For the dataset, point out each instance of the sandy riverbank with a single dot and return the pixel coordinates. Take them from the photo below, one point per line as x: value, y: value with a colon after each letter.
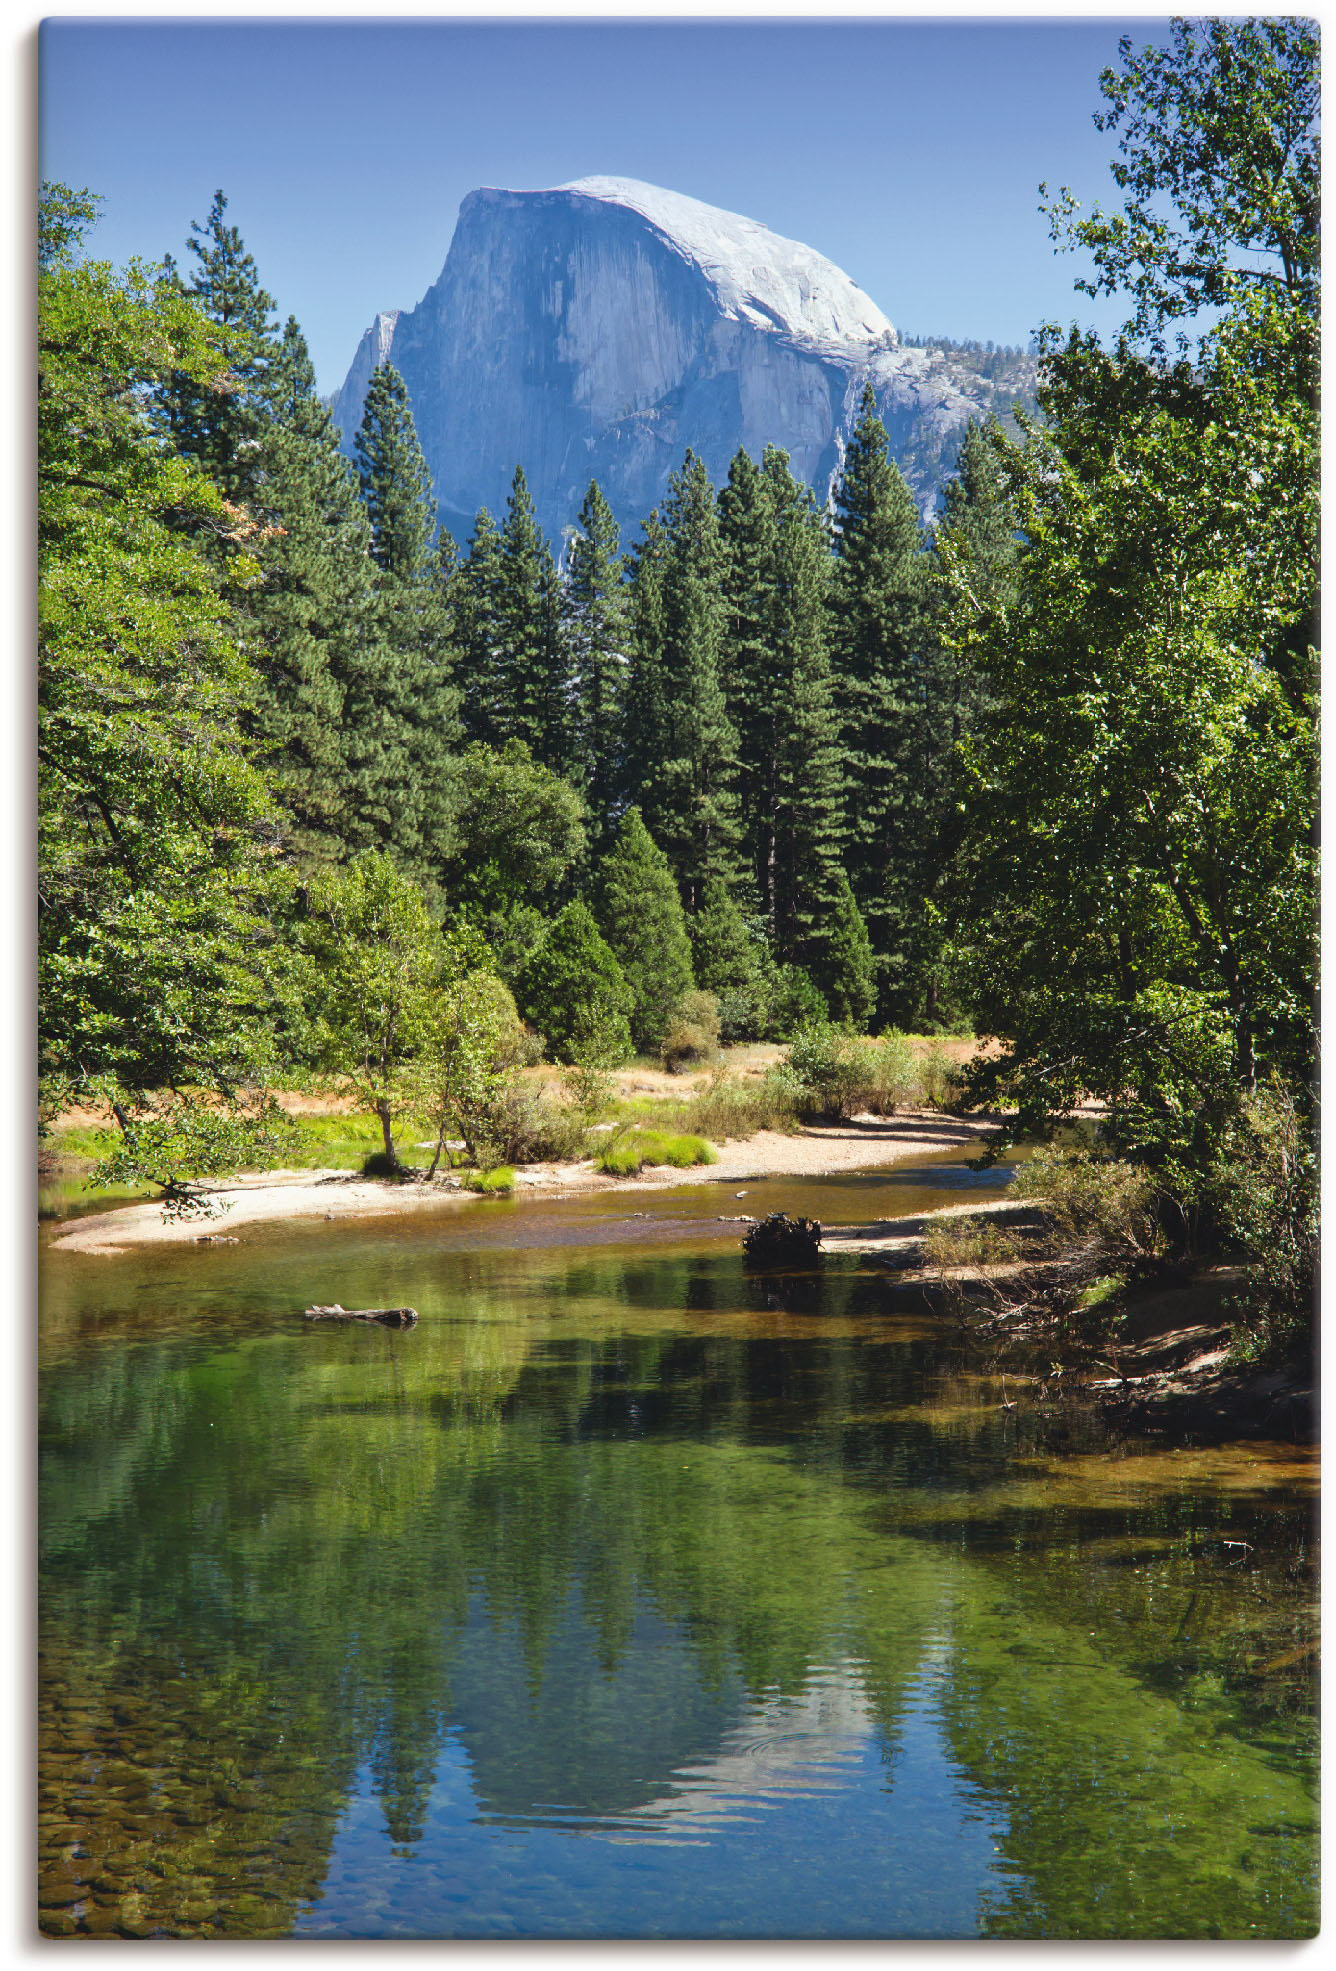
x: 861, y: 1143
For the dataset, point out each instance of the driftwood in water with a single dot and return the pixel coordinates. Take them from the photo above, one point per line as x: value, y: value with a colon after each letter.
x: 388, y: 1317
x: 779, y: 1240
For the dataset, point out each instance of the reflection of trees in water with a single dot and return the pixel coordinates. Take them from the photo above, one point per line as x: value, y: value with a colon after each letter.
x: 581, y: 1554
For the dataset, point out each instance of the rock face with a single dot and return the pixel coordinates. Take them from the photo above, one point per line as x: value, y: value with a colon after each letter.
x: 598, y: 330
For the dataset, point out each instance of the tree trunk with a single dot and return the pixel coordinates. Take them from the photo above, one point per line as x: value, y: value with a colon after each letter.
x: 383, y: 1111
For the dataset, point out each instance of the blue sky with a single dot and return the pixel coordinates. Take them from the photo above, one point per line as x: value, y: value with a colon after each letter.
x: 909, y: 152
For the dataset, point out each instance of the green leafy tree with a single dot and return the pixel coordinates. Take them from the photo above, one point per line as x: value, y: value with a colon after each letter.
x: 574, y: 991
x: 377, y: 968
x: 1219, y: 164
x: 519, y: 830
x: 153, y: 882
x: 1139, y: 855
x: 640, y: 915
x: 467, y: 1063
x: 596, y: 628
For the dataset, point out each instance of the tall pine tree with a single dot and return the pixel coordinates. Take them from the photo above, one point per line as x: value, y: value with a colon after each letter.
x: 596, y: 626
x: 880, y: 638
x: 404, y: 708
x: 687, y: 756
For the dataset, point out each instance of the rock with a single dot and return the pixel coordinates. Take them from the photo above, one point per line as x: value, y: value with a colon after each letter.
x: 598, y: 329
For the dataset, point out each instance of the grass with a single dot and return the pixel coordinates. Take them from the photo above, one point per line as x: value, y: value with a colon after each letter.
x: 626, y: 1154
x: 497, y: 1183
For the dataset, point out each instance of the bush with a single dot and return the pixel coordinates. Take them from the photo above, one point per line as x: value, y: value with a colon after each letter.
x: 527, y: 1125
x: 379, y: 1164
x: 891, y: 1078
x: 692, y: 1033
x: 1094, y: 1201
x: 957, y: 1242
x: 824, y: 1065
x: 728, y: 1108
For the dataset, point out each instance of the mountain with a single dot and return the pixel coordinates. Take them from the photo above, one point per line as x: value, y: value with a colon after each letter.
x: 596, y: 330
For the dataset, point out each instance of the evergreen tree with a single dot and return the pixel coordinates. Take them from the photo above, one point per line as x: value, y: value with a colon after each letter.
x: 217, y: 421
x: 880, y: 633
x: 847, y: 974
x: 313, y: 614
x: 731, y: 961
x: 645, y: 729
x: 480, y: 632
x: 574, y: 991
x: 780, y: 695
x: 640, y: 915
x: 402, y: 708
x: 530, y: 692
x: 395, y: 482
x: 597, y: 632
x: 688, y: 790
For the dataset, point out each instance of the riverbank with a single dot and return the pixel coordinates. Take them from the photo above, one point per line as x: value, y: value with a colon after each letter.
x: 815, y: 1150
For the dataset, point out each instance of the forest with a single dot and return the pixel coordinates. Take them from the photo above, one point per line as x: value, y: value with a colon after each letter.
x: 326, y: 792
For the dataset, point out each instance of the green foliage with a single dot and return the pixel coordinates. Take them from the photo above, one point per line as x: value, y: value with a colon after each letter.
x: 1265, y: 1185
x: 795, y: 1002
x: 376, y: 967
x: 640, y: 915
x: 1219, y: 161
x: 153, y: 881
x: 733, y: 962
x: 529, y: 1125
x: 575, y: 992
x: 1095, y: 1201
x: 730, y: 1107
x: 824, y: 1064
x: 518, y: 829
x: 175, y: 1140
x: 779, y: 695
x: 1138, y: 861
x: 682, y: 767
x: 626, y: 1154
x: 498, y: 1182
x: 393, y: 475
x: 847, y: 969
x: 968, y: 1242
x: 692, y: 1033
x: 596, y: 628
x: 460, y: 1079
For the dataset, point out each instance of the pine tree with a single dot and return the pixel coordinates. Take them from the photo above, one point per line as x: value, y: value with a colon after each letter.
x: 640, y: 915
x: 596, y: 625
x: 645, y: 712
x: 534, y: 691
x: 314, y: 611
x: 847, y: 971
x: 688, y: 786
x: 781, y: 697
x: 218, y: 423
x: 481, y: 673
x: 574, y: 991
x: 402, y: 704
x: 731, y: 961
x: 880, y: 635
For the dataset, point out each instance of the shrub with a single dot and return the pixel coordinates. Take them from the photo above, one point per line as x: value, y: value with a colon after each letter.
x: 378, y: 1164
x: 824, y: 1065
x: 527, y: 1125
x: 728, y: 1108
x: 961, y: 1242
x: 794, y: 1003
x: 890, y: 1076
x: 692, y: 1033
x: 1094, y: 1201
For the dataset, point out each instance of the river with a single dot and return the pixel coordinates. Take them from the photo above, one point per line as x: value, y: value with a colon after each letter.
x: 629, y: 1595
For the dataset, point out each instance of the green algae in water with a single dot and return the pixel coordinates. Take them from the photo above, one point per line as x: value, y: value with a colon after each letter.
x: 613, y: 1601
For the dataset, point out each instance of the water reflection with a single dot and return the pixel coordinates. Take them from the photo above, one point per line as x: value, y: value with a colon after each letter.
x: 770, y: 1619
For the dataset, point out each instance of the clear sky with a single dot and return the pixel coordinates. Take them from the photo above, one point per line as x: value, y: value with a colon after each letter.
x: 907, y: 151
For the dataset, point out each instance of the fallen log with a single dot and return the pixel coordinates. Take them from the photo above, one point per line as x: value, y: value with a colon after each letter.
x: 388, y: 1317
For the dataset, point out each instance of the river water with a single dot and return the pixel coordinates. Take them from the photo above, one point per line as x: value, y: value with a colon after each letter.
x: 628, y: 1595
